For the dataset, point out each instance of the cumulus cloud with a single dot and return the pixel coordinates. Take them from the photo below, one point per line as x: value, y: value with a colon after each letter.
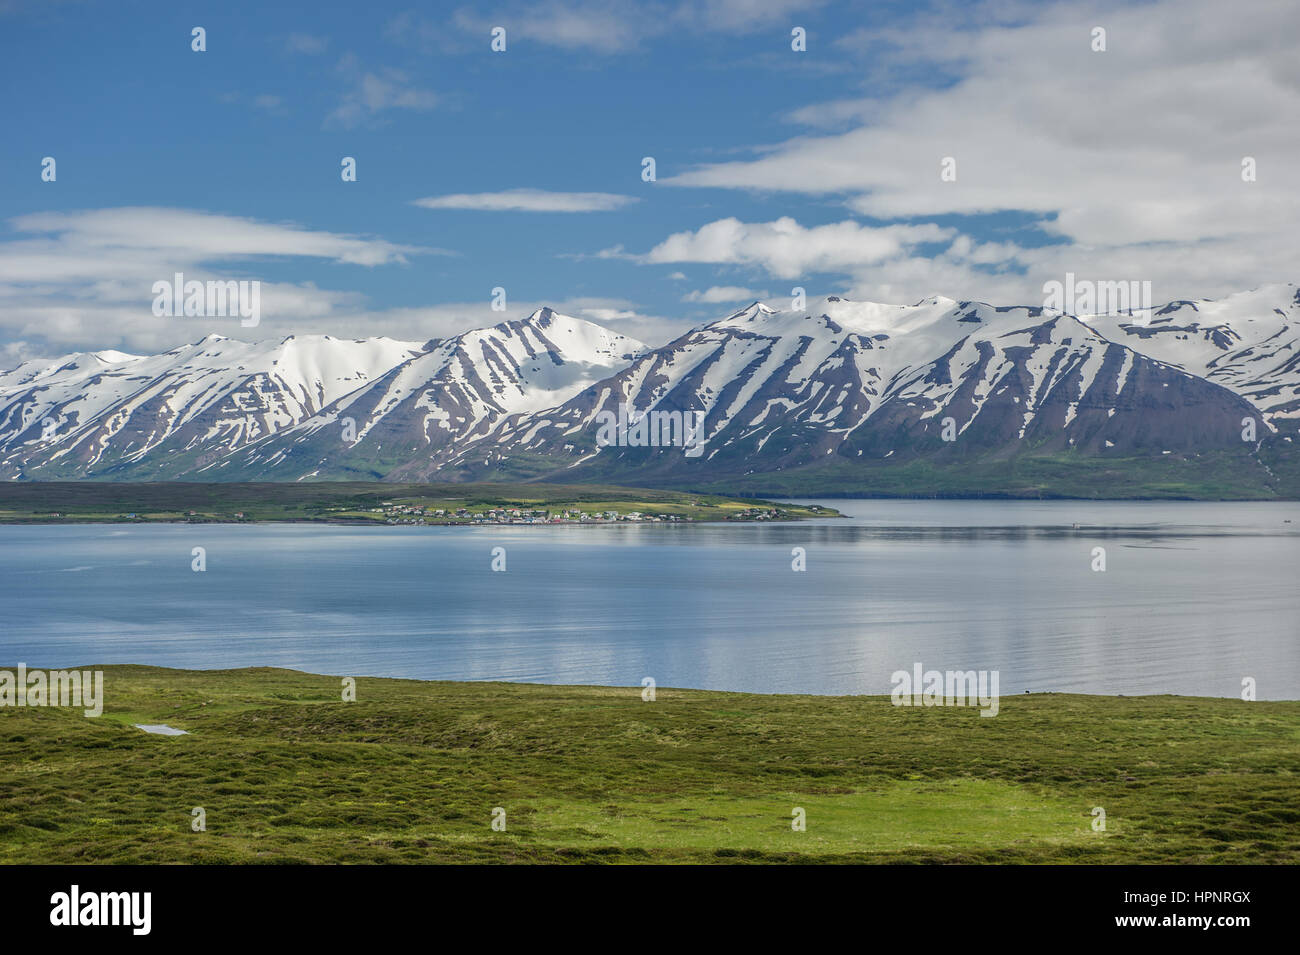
x: 608, y: 314
x: 529, y: 200
x: 723, y: 293
x: 1129, y: 160
x: 785, y: 249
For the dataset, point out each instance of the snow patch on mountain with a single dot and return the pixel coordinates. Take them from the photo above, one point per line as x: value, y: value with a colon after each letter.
x: 1248, y: 342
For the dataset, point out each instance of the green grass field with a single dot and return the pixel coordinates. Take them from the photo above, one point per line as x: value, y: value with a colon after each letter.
x: 412, y: 771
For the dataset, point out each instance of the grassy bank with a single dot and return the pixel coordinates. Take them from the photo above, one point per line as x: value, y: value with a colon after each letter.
x: 1270, y: 473
x: 412, y: 771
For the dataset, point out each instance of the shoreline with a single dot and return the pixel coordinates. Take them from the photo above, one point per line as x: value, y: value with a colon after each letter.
x: 635, y: 689
x: 345, y: 523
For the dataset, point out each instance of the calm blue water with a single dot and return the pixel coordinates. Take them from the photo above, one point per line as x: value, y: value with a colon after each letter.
x: 1194, y: 597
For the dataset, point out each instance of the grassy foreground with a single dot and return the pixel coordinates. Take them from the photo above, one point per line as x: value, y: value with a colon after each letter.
x: 412, y: 771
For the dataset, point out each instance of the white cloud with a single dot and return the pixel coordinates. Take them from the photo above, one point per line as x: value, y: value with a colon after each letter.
x: 718, y: 294
x: 370, y: 94
x: 834, y: 113
x: 13, y: 354
x: 1131, y: 156
x: 529, y: 200
x: 608, y: 314
x: 785, y: 249
x: 84, y: 279
x: 115, y: 242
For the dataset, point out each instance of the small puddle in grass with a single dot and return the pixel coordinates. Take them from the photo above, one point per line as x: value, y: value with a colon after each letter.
x: 161, y: 728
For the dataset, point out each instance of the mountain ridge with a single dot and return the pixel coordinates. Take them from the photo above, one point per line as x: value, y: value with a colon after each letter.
x: 833, y: 386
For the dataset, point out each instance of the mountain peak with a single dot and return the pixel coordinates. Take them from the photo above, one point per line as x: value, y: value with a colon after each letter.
x: 753, y: 311
x: 542, y: 316
x: 853, y: 379
x: 936, y: 300
x: 111, y: 356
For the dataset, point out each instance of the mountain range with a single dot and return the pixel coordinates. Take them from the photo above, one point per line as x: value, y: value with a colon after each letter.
x: 940, y: 397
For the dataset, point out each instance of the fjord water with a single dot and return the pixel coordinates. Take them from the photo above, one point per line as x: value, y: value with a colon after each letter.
x: 1195, y: 597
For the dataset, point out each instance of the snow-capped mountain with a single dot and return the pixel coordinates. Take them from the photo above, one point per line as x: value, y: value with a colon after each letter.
x: 1248, y: 343
x: 456, y: 391
x: 112, y: 414
x: 837, y: 386
x: 46, y: 370
x: 870, y: 382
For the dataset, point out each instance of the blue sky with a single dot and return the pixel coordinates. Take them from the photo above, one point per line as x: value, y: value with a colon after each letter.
x: 775, y: 168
